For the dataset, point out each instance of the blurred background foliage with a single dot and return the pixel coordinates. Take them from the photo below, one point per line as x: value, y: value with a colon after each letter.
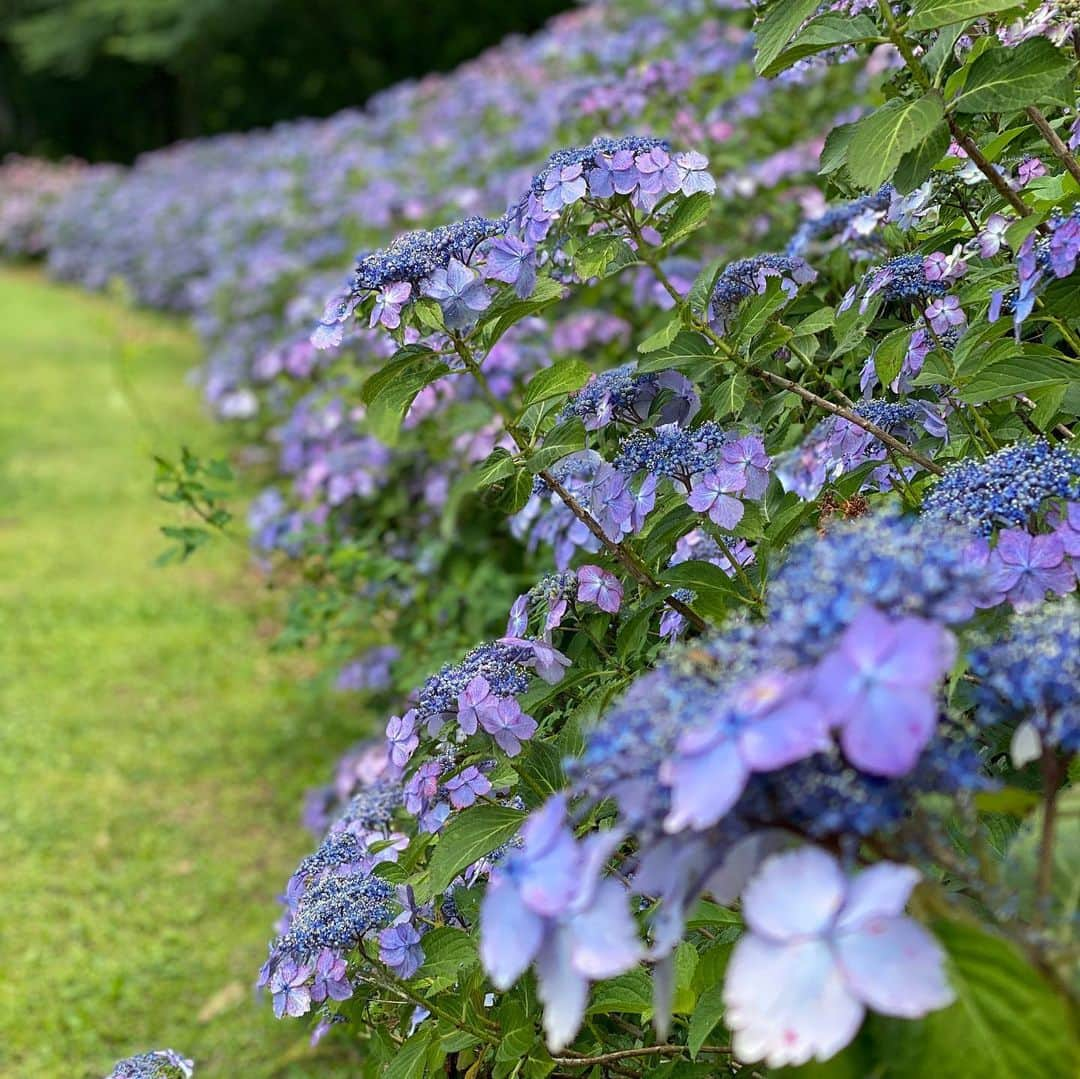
x: 107, y: 79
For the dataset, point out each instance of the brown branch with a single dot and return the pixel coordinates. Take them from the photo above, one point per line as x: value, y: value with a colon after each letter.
x: 964, y: 140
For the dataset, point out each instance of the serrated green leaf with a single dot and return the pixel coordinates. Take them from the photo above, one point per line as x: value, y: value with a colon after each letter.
x: 930, y: 14
x: 449, y: 953
x: 409, y: 1062
x: 827, y: 31
x: 1003, y: 378
x: 1006, y: 1022
x: 730, y: 397
x: 1003, y: 80
x: 470, y: 835
x: 834, y: 152
x: 390, y: 391
x: 778, y: 27
x: 508, y: 308
x: 708, y: 1012
x: 889, y: 355
x: 564, y: 438
x: 662, y: 337
x: 882, y: 138
x: 716, y: 592
x: 917, y: 164
x: 690, y: 214
x: 630, y: 992
x: 561, y: 378
x: 815, y: 322
x: 601, y: 256
x: 687, y: 350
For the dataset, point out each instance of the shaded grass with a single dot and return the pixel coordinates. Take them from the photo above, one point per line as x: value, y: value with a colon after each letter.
x: 152, y: 753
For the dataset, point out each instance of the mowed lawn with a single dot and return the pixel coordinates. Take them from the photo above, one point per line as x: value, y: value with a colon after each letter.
x: 152, y: 751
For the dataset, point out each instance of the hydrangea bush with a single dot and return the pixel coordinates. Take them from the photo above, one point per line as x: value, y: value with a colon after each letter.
x: 688, y: 465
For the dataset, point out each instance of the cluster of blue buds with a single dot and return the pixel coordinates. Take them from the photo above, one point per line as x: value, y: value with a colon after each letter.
x: 157, y: 1064
x: 671, y: 451
x: 748, y: 277
x: 1007, y: 489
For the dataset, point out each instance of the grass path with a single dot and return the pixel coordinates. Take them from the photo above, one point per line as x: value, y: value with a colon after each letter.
x: 152, y: 754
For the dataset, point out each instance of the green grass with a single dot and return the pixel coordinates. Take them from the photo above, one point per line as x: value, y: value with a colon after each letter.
x: 152, y: 752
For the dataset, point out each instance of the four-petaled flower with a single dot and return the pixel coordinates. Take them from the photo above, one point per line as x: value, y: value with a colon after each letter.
x: 596, y: 585
x: 879, y: 686
x: 1023, y: 568
x: 713, y: 492
x: 460, y: 292
x: 821, y: 949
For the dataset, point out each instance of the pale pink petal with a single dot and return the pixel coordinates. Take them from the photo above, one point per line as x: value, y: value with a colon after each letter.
x: 794, y: 894
x: 895, y: 966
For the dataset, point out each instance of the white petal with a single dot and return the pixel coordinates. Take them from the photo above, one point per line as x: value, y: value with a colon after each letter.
x: 787, y: 1003
x: 794, y: 894
x: 1026, y: 746
x: 883, y: 889
x: 894, y: 966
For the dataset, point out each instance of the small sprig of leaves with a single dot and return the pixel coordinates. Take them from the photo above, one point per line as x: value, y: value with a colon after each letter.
x: 193, y: 483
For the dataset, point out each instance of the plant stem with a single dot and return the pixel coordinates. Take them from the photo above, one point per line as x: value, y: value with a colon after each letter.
x: 819, y: 402
x: 629, y: 559
x: 997, y: 181
x: 1044, y: 879
x: 1054, y: 141
x: 582, y: 1061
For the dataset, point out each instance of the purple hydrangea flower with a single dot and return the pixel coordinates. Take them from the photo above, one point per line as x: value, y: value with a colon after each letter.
x: 460, y: 292
x: 389, y: 301
x: 945, y: 313
x: 468, y: 785
x: 400, y: 949
x: 693, y: 173
x: 1023, y: 567
x: 879, y: 686
x: 820, y: 950
x: 288, y: 984
x: 596, y: 585
x: 512, y: 261
x: 713, y: 492
x: 772, y: 722
x: 402, y: 738
x: 563, y: 186
x: 547, y: 905
x: 749, y: 454
x: 992, y: 238
x: 509, y: 726
x: 330, y: 979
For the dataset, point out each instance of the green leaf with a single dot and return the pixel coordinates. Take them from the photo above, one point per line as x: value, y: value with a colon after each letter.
x: 834, y: 152
x: 663, y: 336
x: 540, y: 767
x: 930, y: 14
x: 1018, y: 374
x: 564, y: 438
x: 562, y: 378
x: 756, y: 311
x: 1006, y: 1022
x: 882, y: 138
x: 689, y: 216
x: 815, y: 322
x: 496, y: 466
x: 851, y: 326
x: 825, y: 32
x: 630, y: 992
x: 470, y: 835
x: 715, y: 590
x: 602, y: 256
x: 508, y: 309
x: 687, y: 350
x: 709, y: 1012
x: 730, y: 397
x: 778, y: 27
x: 409, y: 1060
x: 1002, y: 80
x: 889, y: 355
x: 390, y: 391
x: 448, y: 954
x: 917, y: 164
x: 941, y: 52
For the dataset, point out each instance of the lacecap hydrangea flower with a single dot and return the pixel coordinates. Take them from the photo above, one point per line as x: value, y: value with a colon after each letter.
x: 157, y: 1064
